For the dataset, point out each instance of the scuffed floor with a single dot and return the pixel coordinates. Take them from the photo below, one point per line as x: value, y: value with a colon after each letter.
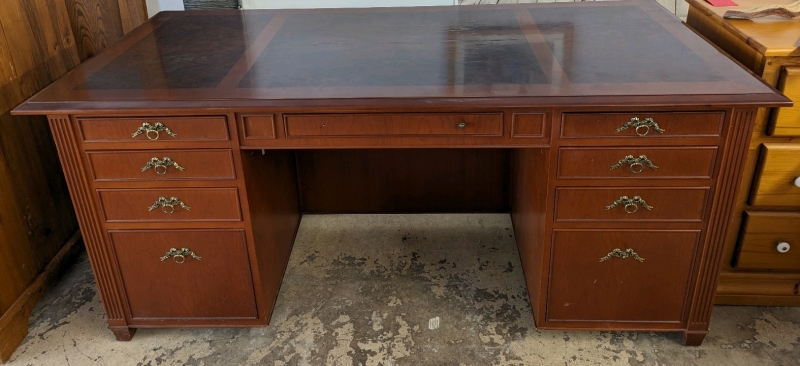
x: 369, y: 290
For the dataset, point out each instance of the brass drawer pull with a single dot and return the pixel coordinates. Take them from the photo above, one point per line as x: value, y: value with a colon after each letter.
x: 631, y: 204
x: 153, y: 132
x: 642, y: 126
x: 168, y: 205
x: 619, y: 253
x: 462, y: 125
x: 636, y: 164
x: 160, y: 165
x: 179, y: 256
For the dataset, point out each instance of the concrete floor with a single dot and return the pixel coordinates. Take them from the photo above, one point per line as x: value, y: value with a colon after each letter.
x: 362, y: 290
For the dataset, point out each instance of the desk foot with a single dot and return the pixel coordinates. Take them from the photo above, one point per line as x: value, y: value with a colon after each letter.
x: 123, y: 334
x: 694, y: 337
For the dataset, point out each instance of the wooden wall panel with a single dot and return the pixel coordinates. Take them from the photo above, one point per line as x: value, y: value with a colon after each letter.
x: 99, y: 23
x: 37, y: 46
x: 132, y: 13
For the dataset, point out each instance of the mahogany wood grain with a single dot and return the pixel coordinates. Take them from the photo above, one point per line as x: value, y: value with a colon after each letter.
x: 672, y: 163
x: 761, y: 233
x: 620, y: 289
x: 257, y: 126
x: 274, y: 213
x: 90, y: 221
x: 393, y: 124
x: 185, y: 129
x: 218, y: 285
x: 530, y: 124
x: 411, y: 180
x: 206, y: 204
x: 580, y: 66
x: 598, y: 125
x: 529, y: 214
x: 668, y: 204
x: 127, y: 165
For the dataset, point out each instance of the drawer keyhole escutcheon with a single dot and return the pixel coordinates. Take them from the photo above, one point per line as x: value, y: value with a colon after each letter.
x: 153, y: 132
x: 635, y: 164
x: 179, y: 256
x: 622, y: 254
x: 462, y: 125
x: 642, y: 127
x: 631, y: 205
x: 783, y: 247
x: 168, y: 205
x: 160, y: 165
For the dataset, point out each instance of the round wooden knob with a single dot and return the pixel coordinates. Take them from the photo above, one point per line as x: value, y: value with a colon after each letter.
x: 783, y: 247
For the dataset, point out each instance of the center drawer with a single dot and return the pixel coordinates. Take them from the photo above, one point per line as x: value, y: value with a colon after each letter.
x: 400, y: 124
x: 636, y: 162
x: 161, y: 165
x: 162, y: 204
x: 621, y: 204
x: 217, y: 284
x: 590, y: 281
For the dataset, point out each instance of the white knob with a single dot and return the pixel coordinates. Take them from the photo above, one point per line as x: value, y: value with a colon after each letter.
x: 797, y: 182
x: 783, y: 247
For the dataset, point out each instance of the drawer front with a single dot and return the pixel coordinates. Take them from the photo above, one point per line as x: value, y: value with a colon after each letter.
x: 604, y: 204
x: 636, y: 162
x: 770, y: 240
x: 777, y: 181
x: 675, y: 124
x: 786, y: 121
x: 584, y: 288
x: 217, y: 285
x: 413, y: 124
x: 162, y: 165
x: 141, y: 205
x: 212, y: 128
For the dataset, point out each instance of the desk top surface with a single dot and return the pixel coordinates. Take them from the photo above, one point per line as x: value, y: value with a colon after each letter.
x: 617, y: 53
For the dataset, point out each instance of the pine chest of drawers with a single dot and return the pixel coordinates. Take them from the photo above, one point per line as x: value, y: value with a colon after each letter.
x: 759, y: 269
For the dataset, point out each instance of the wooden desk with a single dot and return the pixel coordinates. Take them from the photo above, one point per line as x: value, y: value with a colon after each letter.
x: 754, y: 270
x: 253, y: 118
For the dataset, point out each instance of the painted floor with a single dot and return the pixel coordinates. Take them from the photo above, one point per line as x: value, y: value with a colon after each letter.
x: 396, y: 290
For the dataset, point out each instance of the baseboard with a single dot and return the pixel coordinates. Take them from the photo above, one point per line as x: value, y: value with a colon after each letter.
x: 14, y: 323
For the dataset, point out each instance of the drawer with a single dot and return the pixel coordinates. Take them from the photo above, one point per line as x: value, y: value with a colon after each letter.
x: 605, y: 204
x: 161, y: 165
x: 777, y: 180
x: 619, y: 125
x: 786, y: 121
x: 584, y: 288
x: 142, y: 205
x: 217, y: 285
x: 212, y: 128
x: 636, y: 162
x: 411, y: 124
x: 769, y: 240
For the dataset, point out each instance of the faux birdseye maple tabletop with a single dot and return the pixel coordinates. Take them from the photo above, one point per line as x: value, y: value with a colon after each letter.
x: 557, y: 51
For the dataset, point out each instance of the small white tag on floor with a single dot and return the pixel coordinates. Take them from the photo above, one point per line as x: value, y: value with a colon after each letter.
x: 433, y: 323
